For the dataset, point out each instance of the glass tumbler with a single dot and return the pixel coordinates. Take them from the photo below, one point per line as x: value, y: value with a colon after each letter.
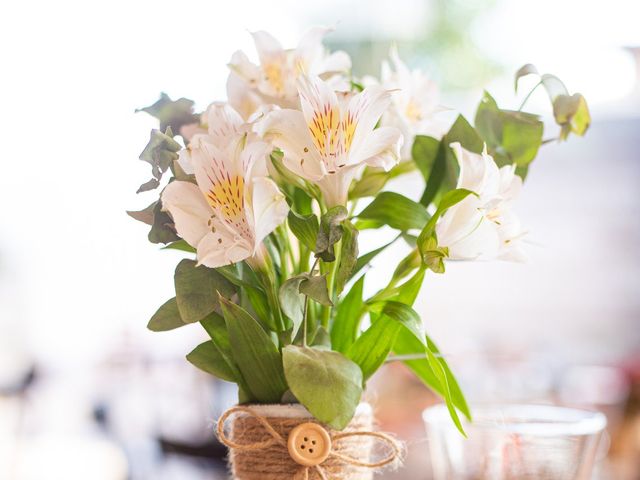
x: 519, y: 441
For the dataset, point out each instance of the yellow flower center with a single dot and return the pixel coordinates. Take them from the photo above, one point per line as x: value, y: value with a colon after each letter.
x: 273, y: 73
x: 227, y: 197
x: 413, y: 112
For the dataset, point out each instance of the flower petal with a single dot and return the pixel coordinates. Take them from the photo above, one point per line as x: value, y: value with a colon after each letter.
x: 287, y: 130
x: 364, y: 111
x: 219, y: 248
x: 321, y: 111
x: 223, y: 122
x: 267, y: 46
x: 245, y: 69
x: 269, y: 207
x: 189, y: 210
x: 381, y: 149
x: 467, y: 232
x: 241, y: 97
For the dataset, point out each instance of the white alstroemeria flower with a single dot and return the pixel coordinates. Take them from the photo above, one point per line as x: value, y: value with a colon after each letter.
x: 483, y: 226
x: 234, y: 206
x: 415, y: 104
x: 221, y: 125
x: 273, y: 81
x: 330, y: 141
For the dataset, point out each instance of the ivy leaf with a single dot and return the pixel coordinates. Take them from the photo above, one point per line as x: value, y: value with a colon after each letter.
x: 292, y: 301
x: 172, y: 114
x: 215, y: 325
x: 443, y: 175
x: 396, y: 211
x: 208, y: 359
x: 255, y: 353
x: 160, y: 152
x: 145, y: 215
x: 305, y: 228
x: 166, y: 318
x: 346, y: 323
x: 528, y: 69
x: 163, y: 229
x: 327, y: 383
x: 197, y: 290
x: 514, y: 136
x: 315, y: 287
x: 348, y: 255
x: 330, y: 232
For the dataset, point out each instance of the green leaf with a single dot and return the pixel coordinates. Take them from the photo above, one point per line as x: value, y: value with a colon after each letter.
x: 407, y: 265
x: 462, y: 132
x: 404, y: 315
x: 347, y: 318
x: 330, y: 232
x: 216, y: 327
x: 255, y: 353
x: 207, y: 358
x: 327, y: 383
x: 437, y: 174
x: 145, y: 215
x: 197, y: 290
x: 166, y: 318
x: 348, y: 255
x: 514, y: 135
x: 444, y: 173
x: 160, y: 152
x: 172, y: 114
x: 424, y: 153
x: 305, y: 228
x: 528, y: 69
x: 457, y: 396
x: 366, y: 259
x: 375, y: 178
x: 431, y: 372
x: 292, y: 301
x: 315, y: 287
x: 181, y: 245
x: 372, y: 347
x: 163, y: 229
x: 321, y: 339
x: 396, y: 211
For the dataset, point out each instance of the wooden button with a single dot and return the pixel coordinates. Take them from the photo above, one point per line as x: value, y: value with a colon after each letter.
x: 309, y: 444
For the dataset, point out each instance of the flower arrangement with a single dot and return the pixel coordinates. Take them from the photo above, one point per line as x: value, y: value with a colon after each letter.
x: 268, y: 191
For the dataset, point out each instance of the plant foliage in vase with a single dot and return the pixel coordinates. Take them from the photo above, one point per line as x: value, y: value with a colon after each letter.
x: 267, y: 194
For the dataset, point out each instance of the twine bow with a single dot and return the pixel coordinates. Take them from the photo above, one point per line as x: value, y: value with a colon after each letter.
x: 395, y: 447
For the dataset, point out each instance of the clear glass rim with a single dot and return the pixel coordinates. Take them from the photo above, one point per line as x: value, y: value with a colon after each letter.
x: 523, y: 419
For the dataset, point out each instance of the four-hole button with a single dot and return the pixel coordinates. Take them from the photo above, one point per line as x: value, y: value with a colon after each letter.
x: 309, y: 444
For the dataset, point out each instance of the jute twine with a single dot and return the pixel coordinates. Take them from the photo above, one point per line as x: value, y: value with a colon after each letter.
x: 258, y: 448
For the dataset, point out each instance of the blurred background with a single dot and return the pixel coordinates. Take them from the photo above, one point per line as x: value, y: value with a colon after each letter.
x: 87, y: 392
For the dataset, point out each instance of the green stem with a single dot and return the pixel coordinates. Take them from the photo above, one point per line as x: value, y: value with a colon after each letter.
x: 305, y: 308
x: 331, y: 277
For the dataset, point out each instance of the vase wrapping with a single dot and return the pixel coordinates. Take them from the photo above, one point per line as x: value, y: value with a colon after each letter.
x: 274, y: 462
